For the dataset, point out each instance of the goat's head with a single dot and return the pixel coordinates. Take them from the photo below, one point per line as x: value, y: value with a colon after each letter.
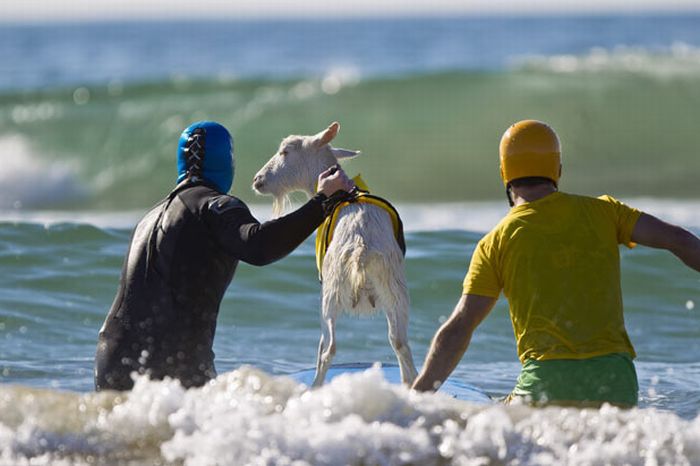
x: 297, y: 164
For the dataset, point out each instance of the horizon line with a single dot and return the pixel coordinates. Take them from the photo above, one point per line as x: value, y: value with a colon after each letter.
x: 22, y: 17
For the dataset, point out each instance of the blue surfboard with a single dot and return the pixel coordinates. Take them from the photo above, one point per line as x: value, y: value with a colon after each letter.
x: 392, y: 374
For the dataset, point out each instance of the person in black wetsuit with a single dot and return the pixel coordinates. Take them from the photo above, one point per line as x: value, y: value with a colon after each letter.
x: 182, y: 257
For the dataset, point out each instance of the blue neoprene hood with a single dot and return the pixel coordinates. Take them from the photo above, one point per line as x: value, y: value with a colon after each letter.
x: 218, y: 165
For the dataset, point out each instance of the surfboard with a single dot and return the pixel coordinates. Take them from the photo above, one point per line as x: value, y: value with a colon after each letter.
x: 392, y: 374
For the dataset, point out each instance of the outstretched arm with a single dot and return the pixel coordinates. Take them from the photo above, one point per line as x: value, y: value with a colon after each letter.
x: 655, y: 233
x: 452, y: 339
x: 262, y: 243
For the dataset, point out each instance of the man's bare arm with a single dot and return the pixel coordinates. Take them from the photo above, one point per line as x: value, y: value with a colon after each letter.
x: 655, y: 233
x: 452, y: 339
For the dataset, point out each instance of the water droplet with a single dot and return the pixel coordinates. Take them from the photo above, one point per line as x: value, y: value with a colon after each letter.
x: 81, y: 96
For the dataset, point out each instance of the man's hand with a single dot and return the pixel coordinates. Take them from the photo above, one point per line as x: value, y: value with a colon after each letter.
x: 333, y: 180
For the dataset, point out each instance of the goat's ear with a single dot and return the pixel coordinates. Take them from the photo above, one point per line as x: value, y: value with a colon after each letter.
x: 327, y: 135
x: 344, y: 153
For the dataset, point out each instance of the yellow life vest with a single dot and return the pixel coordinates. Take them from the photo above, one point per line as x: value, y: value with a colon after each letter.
x: 324, y: 234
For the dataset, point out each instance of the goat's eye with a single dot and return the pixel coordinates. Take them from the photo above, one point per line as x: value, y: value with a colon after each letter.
x: 283, y: 152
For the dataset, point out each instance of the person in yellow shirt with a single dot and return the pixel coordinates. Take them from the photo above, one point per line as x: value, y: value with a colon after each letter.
x: 555, y: 257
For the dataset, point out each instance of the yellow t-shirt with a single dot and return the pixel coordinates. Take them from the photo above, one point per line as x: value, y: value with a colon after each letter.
x: 557, y: 261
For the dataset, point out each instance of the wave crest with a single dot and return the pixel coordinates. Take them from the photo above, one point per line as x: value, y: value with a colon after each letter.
x: 678, y: 60
x: 27, y: 181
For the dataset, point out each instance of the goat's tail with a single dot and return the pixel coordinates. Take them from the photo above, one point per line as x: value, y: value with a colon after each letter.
x: 357, y: 273
x: 368, y: 274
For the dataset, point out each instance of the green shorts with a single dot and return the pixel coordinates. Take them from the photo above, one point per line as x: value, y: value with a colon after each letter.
x: 611, y: 378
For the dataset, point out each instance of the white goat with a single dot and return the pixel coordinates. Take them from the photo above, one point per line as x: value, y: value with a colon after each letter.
x: 363, y: 266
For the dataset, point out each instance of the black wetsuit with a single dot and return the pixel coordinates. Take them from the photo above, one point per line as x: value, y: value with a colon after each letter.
x: 182, y: 257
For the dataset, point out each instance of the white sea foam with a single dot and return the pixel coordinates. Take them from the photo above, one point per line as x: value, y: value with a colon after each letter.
x: 249, y: 417
x: 482, y: 216
x: 26, y: 180
x: 477, y: 216
x: 675, y: 61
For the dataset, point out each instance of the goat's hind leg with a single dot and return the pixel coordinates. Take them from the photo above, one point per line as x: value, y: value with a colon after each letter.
x: 326, y: 346
x: 397, y: 320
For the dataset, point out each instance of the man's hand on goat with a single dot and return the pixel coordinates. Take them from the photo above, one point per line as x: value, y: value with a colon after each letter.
x: 334, y: 179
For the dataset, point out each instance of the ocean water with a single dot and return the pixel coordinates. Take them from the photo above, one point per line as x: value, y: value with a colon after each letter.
x: 89, y: 119
x: 90, y: 114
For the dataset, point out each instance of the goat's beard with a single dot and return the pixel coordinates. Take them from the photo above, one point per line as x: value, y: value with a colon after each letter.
x: 280, y: 204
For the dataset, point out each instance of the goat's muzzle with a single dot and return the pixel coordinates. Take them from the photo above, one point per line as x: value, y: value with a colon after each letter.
x: 258, y: 183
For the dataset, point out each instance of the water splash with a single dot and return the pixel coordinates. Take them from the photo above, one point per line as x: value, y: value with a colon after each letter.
x: 249, y: 417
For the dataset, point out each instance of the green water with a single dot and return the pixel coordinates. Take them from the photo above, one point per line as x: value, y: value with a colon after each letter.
x: 423, y: 138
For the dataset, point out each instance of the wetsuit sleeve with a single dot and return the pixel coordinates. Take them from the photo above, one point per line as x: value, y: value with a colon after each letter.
x: 257, y: 243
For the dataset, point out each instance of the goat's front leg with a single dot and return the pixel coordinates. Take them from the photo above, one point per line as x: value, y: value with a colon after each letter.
x: 326, y: 347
